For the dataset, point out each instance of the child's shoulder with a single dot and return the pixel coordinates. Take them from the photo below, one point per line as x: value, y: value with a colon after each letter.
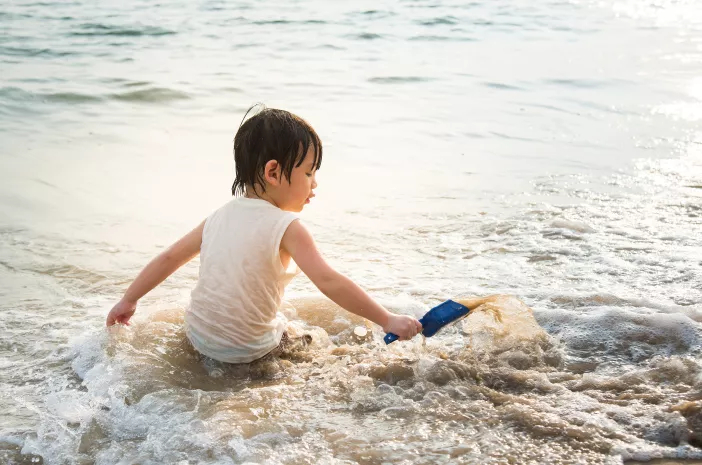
x: 248, y: 209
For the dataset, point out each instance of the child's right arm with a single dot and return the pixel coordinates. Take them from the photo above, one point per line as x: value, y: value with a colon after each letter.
x: 298, y: 242
x: 161, y: 267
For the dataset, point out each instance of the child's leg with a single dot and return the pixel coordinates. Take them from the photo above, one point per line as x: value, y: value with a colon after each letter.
x: 287, y: 346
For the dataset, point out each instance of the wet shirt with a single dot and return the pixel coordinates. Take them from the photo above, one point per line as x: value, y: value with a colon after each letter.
x: 233, y: 314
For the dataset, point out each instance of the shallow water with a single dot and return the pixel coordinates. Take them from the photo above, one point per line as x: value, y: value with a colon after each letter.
x: 545, y: 153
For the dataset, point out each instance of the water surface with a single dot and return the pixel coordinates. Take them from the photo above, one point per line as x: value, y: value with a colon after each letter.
x: 548, y: 151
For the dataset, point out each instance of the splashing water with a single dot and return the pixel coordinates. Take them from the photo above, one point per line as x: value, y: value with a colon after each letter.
x: 496, y: 390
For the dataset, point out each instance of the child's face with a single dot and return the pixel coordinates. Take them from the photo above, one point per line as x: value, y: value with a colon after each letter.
x: 296, y: 192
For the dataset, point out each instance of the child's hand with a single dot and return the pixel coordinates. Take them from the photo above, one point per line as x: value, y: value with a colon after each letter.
x: 121, y: 313
x: 404, y: 326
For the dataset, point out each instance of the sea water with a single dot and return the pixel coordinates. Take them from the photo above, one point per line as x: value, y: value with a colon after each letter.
x: 546, y: 153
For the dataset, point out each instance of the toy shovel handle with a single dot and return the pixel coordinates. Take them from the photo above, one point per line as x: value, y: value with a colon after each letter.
x: 392, y: 337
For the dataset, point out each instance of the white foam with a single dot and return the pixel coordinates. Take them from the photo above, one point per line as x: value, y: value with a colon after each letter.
x: 621, y: 332
x: 573, y: 225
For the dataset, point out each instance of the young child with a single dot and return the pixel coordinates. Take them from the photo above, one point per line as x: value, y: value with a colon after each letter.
x: 246, y: 248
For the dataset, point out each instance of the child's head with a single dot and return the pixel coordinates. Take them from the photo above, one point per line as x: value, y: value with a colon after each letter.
x: 269, y: 148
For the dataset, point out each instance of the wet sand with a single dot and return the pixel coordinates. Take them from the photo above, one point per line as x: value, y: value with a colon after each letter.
x: 666, y: 462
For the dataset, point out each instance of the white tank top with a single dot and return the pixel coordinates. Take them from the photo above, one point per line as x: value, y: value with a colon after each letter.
x: 233, y: 315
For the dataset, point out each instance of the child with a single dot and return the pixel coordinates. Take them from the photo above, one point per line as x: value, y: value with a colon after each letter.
x: 246, y: 247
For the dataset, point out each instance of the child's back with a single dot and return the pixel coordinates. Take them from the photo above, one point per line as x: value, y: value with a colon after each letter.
x: 233, y: 315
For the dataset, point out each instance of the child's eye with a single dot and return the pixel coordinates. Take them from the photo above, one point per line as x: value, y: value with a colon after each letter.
x: 309, y: 174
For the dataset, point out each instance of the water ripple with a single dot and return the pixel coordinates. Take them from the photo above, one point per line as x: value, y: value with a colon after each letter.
x: 30, y: 51
x: 442, y: 20
x: 93, y: 29
x: 151, y: 95
x: 398, y: 79
x: 148, y: 95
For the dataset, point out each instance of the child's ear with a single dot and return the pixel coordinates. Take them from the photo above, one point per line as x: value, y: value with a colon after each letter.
x: 272, y: 173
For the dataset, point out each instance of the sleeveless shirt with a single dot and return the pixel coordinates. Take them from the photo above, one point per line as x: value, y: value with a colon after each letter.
x: 233, y: 314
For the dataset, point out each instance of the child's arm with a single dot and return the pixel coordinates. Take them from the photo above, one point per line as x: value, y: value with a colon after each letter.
x: 298, y: 242
x: 161, y: 267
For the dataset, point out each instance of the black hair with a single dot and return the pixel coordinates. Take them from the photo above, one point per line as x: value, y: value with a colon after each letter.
x: 271, y: 134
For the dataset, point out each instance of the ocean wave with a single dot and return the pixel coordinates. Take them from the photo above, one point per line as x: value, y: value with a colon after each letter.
x: 584, y: 83
x: 398, y: 79
x: 20, y: 95
x: 501, y: 86
x: 501, y: 370
x: 442, y: 20
x: 151, y: 95
x: 371, y: 14
x: 287, y: 21
x: 147, y: 95
x: 69, y: 97
x: 96, y: 29
x: 365, y: 36
x: 616, y: 333
x: 436, y: 38
x: 35, y: 52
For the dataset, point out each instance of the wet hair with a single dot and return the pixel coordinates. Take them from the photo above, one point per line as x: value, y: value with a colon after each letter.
x: 271, y: 134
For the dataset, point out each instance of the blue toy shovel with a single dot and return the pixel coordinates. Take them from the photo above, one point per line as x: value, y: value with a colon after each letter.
x: 436, y: 318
